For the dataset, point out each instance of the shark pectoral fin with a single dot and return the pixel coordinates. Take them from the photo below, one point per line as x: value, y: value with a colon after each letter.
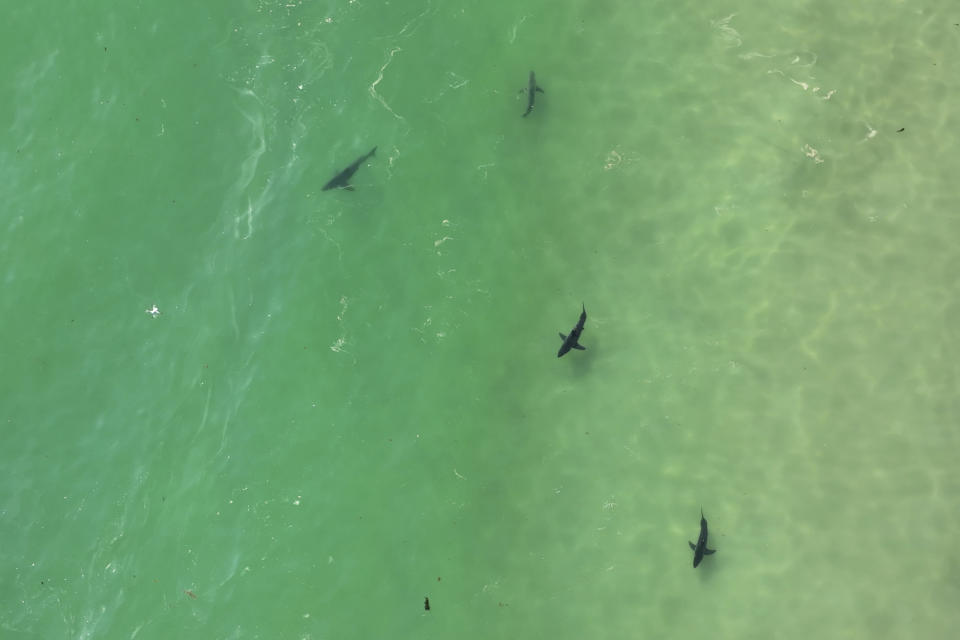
x: 579, y: 346
x: 692, y: 546
x: 709, y: 551
x: 540, y: 90
x: 563, y: 337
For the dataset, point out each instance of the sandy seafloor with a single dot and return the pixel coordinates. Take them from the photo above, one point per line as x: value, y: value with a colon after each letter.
x: 344, y: 402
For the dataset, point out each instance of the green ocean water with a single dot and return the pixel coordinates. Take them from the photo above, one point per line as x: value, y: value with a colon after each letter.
x: 347, y: 401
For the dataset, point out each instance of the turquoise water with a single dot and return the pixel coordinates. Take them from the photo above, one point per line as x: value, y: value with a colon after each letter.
x: 345, y: 402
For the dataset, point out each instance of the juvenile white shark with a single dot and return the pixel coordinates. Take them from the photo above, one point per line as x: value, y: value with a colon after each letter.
x: 570, y: 341
x: 531, y: 94
x: 342, y: 179
x: 700, y: 549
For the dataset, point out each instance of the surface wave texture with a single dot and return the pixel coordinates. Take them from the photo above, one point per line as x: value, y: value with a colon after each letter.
x: 237, y: 406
